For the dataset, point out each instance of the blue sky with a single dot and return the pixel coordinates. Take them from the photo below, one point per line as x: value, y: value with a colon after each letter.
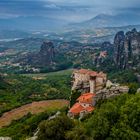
x: 68, y: 10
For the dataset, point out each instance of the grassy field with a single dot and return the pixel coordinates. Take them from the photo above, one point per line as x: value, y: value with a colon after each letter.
x: 45, y: 75
x: 33, y: 108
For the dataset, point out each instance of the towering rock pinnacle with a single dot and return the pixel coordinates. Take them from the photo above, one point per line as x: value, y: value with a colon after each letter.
x: 119, y: 49
x: 127, y: 49
x: 132, y: 47
x: 46, y: 54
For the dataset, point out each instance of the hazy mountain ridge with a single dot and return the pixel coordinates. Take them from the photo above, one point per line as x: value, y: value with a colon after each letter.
x: 104, y: 20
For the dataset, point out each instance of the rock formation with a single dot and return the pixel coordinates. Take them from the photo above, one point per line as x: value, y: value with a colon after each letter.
x: 87, y: 81
x: 46, y: 54
x: 127, y: 49
x: 119, y: 49
x: 112, y: 91
x: 43, y: 58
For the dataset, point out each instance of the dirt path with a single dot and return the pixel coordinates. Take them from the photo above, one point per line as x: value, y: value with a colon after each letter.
x: 34, y: 108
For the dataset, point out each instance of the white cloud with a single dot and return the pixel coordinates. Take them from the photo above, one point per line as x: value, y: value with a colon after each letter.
x: 52, y: 6
x: 70, y: 10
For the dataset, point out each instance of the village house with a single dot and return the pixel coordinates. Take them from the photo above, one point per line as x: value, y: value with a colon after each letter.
x: 84, y: 105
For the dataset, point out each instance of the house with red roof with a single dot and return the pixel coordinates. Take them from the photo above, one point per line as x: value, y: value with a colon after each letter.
x: 84, y: 105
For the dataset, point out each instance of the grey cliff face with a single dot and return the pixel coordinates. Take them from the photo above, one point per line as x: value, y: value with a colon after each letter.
x: 127, y: 49
x: 119, y: 49
x: 46, y: 53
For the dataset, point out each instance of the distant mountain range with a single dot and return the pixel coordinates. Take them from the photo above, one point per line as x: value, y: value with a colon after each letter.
x: 104, y: 20
x: 38, y: 23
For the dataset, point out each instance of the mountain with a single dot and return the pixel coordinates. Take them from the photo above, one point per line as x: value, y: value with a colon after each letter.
x: 104, y: 20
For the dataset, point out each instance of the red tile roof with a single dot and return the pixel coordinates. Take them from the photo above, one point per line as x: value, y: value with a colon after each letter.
x: 89, y: 72
x: 77, y: 108
x: 86, y: 98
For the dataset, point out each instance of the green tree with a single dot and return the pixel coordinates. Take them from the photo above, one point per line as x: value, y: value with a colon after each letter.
x: 55, y: 129
x: 75, y: 94
x: 133, y: 88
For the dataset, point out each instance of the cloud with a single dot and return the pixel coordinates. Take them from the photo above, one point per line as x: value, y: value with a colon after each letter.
x: 70, y: 10
x: 52, y: 6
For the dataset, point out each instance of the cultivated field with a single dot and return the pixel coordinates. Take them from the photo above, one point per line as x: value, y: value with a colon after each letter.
x: 33, y: 108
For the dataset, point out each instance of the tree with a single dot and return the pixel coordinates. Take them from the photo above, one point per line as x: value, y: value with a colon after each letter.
x: 75, y: 94
x: 133, y: 88
x: 78, y: 133
x: 128, y: 126
x: 55, y: 129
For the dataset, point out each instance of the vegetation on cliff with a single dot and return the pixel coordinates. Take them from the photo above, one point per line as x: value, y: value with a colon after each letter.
x: 116, y: 118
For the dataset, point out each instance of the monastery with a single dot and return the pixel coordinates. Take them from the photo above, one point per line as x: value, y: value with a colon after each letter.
x: 88, y: 83
x: 93, y: 86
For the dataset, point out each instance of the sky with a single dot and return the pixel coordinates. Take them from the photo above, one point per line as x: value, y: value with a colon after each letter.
x: 67, y: 10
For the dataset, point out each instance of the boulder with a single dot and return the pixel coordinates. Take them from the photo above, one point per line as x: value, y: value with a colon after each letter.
x: 109, y: 84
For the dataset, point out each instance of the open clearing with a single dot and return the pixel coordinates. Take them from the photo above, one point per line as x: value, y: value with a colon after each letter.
x: 33, y: 108
x: 45, y: 75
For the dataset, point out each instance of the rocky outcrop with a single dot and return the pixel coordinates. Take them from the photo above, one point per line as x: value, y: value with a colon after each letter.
x: 46, y: 54
x: 87, y: 81
x: 43, y: 58
x: 127, y: 49
x: 132, y: 48
x: 113, y: 91
x: 138, y: 90
x: 119, y: 49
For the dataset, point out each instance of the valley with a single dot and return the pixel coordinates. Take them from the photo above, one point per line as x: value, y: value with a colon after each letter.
x: 69, y: 70
x: 36, y: 79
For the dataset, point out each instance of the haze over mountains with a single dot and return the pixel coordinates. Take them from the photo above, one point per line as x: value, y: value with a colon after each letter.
x: 31, y: 23
x: 42, y: 23
x: 104, y: 20
x: 55, y: 15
